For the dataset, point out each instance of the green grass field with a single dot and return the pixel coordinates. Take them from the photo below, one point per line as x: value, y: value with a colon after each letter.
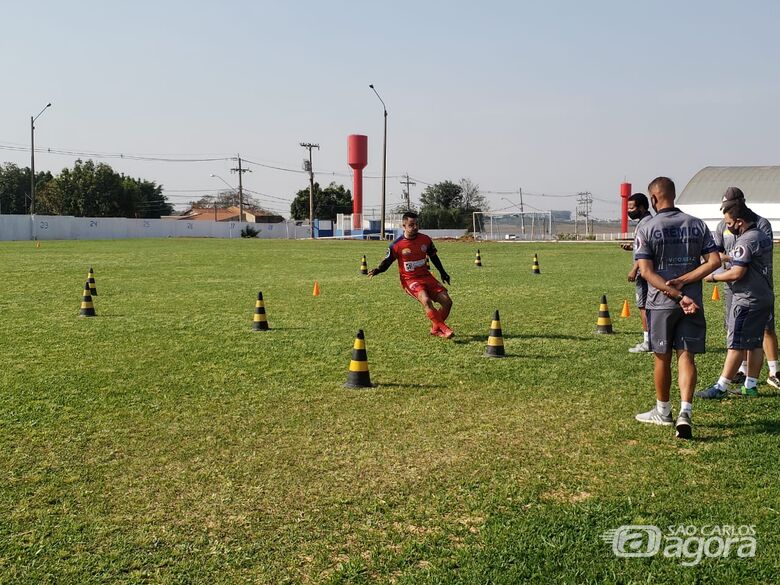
x: 166, y: 442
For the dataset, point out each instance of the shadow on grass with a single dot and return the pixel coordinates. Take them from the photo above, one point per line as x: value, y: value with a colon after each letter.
x: 380, y: 385
x: 759, y: 427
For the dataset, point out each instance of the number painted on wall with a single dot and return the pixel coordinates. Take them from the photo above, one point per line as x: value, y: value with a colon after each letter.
x: 44, y: 225
x: 147, y: 224
x: 92, y: 223
x: 189, y: 226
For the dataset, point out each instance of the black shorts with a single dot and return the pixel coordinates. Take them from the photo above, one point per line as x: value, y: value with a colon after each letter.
x: 746, y: 326
x: 672, y: 329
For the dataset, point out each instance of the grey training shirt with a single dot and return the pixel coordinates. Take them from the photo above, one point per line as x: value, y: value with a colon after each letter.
x: 675, y: 242
x: 753, y: 249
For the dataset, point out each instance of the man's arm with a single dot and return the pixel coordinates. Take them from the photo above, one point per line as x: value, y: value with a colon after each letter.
x: 731, y: 275
x: 386, y: 263
x: 633, y: 272
x: 711, y: 264
x: 437, y: 263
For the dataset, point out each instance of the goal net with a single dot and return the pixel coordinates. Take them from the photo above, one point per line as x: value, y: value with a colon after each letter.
x: 529, y: 225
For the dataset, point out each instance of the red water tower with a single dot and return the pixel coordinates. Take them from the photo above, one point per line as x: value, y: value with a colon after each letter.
x: 357, y: 157
x: 625, y: 193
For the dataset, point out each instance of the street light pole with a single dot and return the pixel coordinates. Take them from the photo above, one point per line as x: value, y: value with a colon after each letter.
x: 32, y: 158
x: 384, y: 166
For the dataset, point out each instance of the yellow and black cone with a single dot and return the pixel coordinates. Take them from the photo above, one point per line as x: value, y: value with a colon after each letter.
x: 604, y: 323
x: 495, y: 343
x: 87, y: 308
x: 91, y: 281
x: 260, y: 323
x: 358, y: 366
x: 536, y: 265
x: 478, y: 260
x: 363, y: 265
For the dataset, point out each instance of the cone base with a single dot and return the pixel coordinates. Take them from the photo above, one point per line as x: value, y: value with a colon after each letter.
x: 495, y: 355
x: 607, y: 331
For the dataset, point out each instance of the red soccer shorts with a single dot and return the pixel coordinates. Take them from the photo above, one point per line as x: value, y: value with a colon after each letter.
x: 428, y: 284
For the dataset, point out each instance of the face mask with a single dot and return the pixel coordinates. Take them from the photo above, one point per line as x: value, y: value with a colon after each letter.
x: 733, y: 229
x: 636, y: 214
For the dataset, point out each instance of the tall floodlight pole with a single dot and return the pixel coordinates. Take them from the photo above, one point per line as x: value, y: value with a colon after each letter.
x: 32, y: 157
x: 384, y: 166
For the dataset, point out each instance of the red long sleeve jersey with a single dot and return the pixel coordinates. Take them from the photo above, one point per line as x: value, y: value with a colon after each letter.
x: 411, y: 256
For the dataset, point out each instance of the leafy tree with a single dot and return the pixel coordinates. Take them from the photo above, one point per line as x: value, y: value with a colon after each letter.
x: 450, y: 205
x: 328, y: 202
x: 86, y: 190
x: 15, y: 188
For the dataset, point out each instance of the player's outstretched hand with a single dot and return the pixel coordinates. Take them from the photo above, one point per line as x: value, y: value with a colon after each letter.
x: 445, y: 277
x: 372, y: 273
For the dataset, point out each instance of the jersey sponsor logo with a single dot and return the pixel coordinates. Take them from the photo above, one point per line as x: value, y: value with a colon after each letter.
x: 738, y: 252
x: 409, y: 266
x: 424, y: 248
x: 406, y: 251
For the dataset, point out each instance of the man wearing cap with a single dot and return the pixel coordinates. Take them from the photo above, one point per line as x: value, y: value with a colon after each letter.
x: 751, y: 300
x: 726, y: 241
x: 669, y: 248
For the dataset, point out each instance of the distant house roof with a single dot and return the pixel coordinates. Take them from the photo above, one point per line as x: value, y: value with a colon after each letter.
x: 251, y: 215
x: 760, y: 185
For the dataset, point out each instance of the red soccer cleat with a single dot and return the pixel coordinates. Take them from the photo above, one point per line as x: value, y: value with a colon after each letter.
x: 445, y: 331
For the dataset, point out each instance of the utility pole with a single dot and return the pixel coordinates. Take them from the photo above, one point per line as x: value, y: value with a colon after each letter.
x: 584, y: 205
x: 522, y: 211
x: 407, y: 194
x: 240, y: 172
x: 309, y: 146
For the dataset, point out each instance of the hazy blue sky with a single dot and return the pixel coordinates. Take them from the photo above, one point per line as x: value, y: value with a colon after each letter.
x: 554, y: 97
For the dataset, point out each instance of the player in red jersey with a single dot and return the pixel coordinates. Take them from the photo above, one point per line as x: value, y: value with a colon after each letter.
x: 410, y: 250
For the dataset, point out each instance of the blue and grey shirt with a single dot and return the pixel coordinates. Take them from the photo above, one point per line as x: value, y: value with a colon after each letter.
x: 753, y: 250
x: 675, y: 242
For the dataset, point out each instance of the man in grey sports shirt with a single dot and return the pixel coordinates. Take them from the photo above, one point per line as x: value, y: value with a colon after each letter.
x: 669, y: 248
x: 726, y: 241
x: 752, y: 303
x: 639, y: 209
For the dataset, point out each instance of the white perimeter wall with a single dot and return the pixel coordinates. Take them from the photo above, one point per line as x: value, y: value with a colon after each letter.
x: 58, y: 227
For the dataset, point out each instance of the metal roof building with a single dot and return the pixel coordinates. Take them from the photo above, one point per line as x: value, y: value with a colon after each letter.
x: 761, y: 185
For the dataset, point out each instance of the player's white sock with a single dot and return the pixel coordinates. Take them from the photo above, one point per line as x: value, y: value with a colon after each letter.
x: 647, y: 338
x: 743, y: 368
x: 772, y: 367
x: 685, y: 407
x: 751, y: 382
x: 665, y: 408
x: 724, y: 383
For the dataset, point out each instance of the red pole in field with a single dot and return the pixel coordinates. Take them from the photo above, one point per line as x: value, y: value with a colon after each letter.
x: 625, y: 193
x: 357, y: 157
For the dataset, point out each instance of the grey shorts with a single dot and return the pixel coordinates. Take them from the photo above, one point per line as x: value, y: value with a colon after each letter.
x: 672, y: 329
x: 746, y: 326
x: 641, y: 292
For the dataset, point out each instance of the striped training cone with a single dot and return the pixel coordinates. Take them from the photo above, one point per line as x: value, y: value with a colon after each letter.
x: 91, y: 281
x: 715, y: 294
x: 604, y: 323
x: 478, y: 260
x: 495, y: 343
x: 260, y: 322
x: 87, y: 308
x: 358, y: 366
x: 536, y: 265
x: 37, y: 243
x: 625, y: 312
x: 363, y: 265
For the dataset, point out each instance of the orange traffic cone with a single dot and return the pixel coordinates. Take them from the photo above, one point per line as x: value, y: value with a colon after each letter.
x: 625, y: 312
x: 715, y: 294
x: 316, y: 291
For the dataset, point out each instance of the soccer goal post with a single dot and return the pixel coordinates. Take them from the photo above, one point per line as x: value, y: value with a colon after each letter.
x: 523, y: 226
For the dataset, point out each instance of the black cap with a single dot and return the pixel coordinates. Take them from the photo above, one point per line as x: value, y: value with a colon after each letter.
x: 732, y: 194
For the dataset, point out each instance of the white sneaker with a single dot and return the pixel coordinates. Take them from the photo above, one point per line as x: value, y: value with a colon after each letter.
x: 773, y: 381
x: 655, y: 417
x: 643, y: 347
